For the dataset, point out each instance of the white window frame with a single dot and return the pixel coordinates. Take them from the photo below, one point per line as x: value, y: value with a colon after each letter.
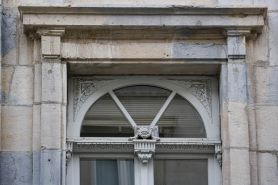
x: 211, y: 123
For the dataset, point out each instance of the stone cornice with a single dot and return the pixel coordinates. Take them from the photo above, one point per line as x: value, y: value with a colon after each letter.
x: 110, y: 9
x: 125, y: 16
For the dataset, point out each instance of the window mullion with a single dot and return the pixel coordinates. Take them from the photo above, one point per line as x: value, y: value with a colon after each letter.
x: 122, y: 108
x: 163, y: 108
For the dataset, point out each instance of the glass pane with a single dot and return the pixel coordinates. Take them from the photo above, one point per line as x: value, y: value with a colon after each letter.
x: 142, y: 102
x: 180, y: 172
x: 104, y: 119
x: 106, y: 172
x: 181, y: 120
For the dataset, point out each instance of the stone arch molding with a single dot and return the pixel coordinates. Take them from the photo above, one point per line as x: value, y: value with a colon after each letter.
x: 87, y: 90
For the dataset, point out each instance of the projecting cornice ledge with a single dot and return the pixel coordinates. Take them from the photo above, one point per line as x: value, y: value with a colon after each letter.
x: 126, y: 16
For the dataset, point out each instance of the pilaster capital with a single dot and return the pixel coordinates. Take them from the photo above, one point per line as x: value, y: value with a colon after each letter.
x: 236, y: 41
x: 237, y: 32
x: 51, y: 42
x: 59, y: 31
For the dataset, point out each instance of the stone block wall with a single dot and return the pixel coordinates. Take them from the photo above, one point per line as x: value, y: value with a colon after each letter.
x: 249, y: 126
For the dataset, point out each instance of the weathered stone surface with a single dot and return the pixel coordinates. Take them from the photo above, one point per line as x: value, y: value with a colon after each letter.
x: 36, y: 127
x: 144, y: 49
x: 25, y: 50
x: 21, y: 88
x: 267, y: 128
x: 51, y: 45
x: 52, y: 82
x: 235, y: 2
x: 238, y: 124
x: 200, y: 50
x: 8, y: 37
x: 261, y: 48
x: 267, y: 169
x: 36, y: 167
x: 273, y: 41
x: 37, y: 51
x: 267, y: 85
x: 130, y: 2
x: 7, y: 76
x: 272, y: 4
x: 223, y: 84
x: 253, y: 168
x: 237, y: 83
x: 239, y: 167
x: 226, y: 166
x: 64, y: 83
x: 51, y: 116
x: 37, y: 83
x: 53, y: 1
x: 16, y: 128
x: 15, y: 168
x: 50, y: 167
x: 224, y: 125
x: 236, y: 46
x: 64, y: 128
x: 251, y: 111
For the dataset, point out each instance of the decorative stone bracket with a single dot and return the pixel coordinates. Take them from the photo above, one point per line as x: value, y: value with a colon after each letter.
x: 69, y: 151
x: 144, y: 142
x: 218, y: 153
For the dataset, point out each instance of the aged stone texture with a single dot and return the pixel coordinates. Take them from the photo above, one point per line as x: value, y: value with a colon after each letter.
x: 239, y: 167
x: 37, y: 83
x: 25, y: 50
x: 131, y: 2
x: 36, y: 167
x: 272, y: 4
x: 17, y: 84
x: 267, y: 85
x: 273, y: 41
x: 15, y: 168
x: 267, y: 169
x: 51, y: 126
x: 238, y: 124
x: 16, y: 128
x: 21, y: 88
x: 51, y: 82
x: 235, y: 2
x: 74, y: 48
x: 7, y: 75
x: 51, y: 45
x: 237, y: 83
x: 267, y: 128
x: 36, y: 128
x: 9, y: 37
x: 50, y: 172
x: 253, y: 168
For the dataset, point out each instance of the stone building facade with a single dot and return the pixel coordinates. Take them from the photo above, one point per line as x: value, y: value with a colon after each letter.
x: 50, y: 48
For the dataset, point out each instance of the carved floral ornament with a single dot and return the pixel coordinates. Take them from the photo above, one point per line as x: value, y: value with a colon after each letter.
x: 86, y: 86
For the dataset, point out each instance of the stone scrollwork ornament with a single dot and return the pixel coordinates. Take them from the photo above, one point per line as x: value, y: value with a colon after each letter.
x: 218, y: 153
x: 69, y: 151
x: 145, y: 138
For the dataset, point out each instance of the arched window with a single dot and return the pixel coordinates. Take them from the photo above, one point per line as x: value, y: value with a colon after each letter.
x: 143, y: 130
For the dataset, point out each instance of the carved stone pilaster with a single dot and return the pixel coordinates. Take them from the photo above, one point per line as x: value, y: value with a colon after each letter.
x: 218, y: 153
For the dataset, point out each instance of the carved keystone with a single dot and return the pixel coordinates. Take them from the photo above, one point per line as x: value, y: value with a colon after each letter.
x: 144, y: 141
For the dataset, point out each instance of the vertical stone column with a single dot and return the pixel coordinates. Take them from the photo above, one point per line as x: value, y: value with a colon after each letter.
x: 53, y: 108
x: 234, y: 111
